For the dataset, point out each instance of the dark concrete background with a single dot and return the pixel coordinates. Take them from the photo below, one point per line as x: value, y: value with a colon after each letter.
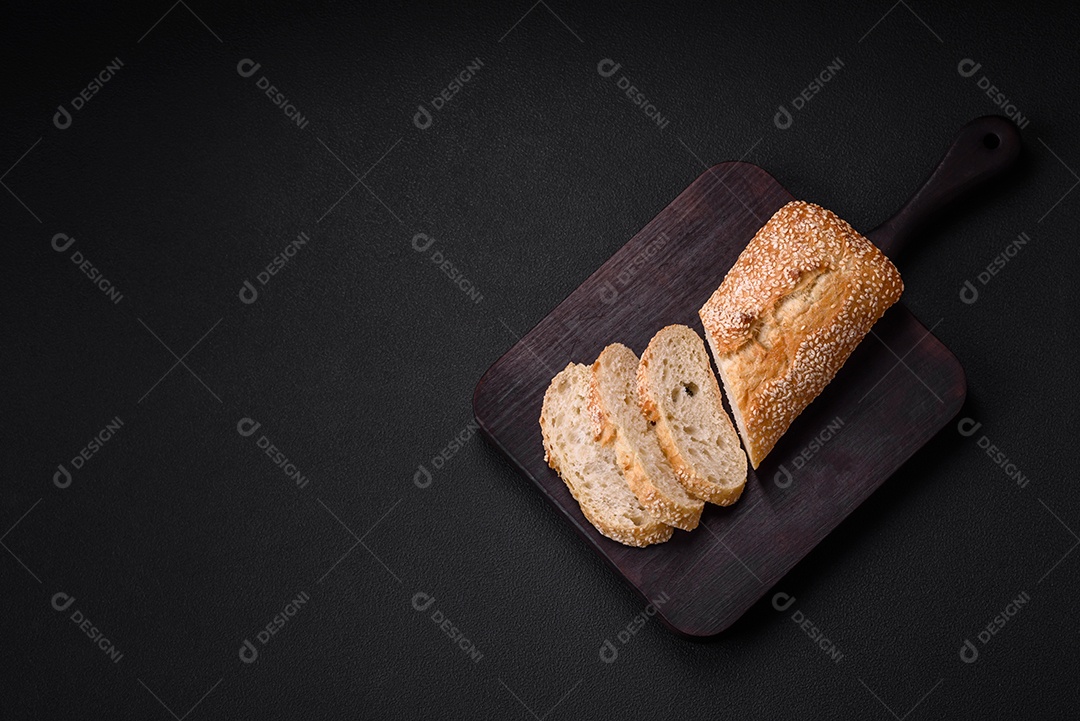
x: 179, y: 180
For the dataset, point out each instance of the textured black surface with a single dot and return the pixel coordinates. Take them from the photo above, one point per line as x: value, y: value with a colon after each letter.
x: 179, y: 180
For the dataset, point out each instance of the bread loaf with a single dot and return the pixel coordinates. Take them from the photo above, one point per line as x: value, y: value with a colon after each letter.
x: 789, y: 313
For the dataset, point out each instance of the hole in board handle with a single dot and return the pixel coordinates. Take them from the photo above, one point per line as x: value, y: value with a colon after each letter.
x: 991, y: 140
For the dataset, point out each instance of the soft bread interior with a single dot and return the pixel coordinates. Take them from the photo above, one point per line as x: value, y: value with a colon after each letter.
x: 588, y: 468
x: 695, y: 432
x: 647, y: 470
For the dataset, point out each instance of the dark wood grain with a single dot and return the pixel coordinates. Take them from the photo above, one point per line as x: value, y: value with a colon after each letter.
x: 874, y: 416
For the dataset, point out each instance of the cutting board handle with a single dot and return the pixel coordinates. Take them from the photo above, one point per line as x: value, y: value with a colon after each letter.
x: 983, y: 148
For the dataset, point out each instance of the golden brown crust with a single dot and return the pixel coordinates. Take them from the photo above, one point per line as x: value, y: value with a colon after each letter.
x: 654, y: 501
x: 604, y: 430
x: 789, y: 313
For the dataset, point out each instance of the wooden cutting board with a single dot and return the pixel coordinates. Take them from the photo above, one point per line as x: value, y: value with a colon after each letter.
x: 898, y: 389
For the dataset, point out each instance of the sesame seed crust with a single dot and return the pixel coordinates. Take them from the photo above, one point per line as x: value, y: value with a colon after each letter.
x: 799, y: 299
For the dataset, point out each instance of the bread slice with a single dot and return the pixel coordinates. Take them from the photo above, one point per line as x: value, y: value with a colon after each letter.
x: 588, y: 468
x: 789, y: 313
x: 680, y: 395
x: 619, y: 421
